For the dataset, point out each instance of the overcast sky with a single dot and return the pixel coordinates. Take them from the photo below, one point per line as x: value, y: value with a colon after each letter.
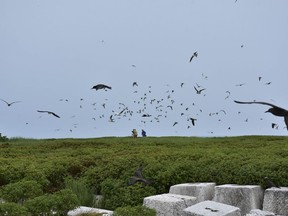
x: 53, y: 52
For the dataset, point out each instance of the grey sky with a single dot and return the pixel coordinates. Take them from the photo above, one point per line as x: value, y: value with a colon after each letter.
x: 53, y: 50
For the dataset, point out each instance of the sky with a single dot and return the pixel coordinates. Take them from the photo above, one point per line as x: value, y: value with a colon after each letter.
x: 53, y: 52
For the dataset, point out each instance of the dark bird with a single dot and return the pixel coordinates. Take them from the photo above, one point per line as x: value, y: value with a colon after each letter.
x: 138, y: 177
x: 269, y: 183
x: 192, y: 120
x: 195, y: 54
x: 175, y: 123
x: 135, y: 84
x: 101, y: 86
x: 275, y: 110
x: 49, y: 112
x: 274, y: 125
x: 198, y: 91
x: 9, y: 104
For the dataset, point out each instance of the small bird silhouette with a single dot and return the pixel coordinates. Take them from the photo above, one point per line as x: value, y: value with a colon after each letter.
x: 135, y: 84
x: 275, y: 110
x: 101, y: 86
x: 49, y: 112
x: 198, y: 91
x: 138, y: 177
x: 192, y: 120
x: 9, y: 104
x: 195, y: 54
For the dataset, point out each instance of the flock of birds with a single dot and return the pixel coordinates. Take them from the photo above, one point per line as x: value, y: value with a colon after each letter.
x: 151, y: 108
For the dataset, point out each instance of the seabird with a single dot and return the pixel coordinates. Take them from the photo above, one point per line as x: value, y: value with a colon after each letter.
x: 9, y: 104
x: 49, y: 112
x: 101, y: 86
x: 192, y: 120
x: 275, y: 110
x: 198, y: 91
x: 195, y: 54
x: 138, y: 177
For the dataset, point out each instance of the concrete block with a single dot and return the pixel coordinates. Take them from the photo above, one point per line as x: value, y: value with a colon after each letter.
x: 211, y: 208
x: 169, y: 204
x: 276, y: 200
x: 258, y: 212
x: 246, y: 197
x: 202, y: 191
x: 83, y: 209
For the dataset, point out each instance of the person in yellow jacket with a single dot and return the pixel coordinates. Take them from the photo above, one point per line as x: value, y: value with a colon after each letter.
x: 134, y: 133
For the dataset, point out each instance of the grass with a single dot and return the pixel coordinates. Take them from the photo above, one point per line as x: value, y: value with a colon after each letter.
x: 104, y: 165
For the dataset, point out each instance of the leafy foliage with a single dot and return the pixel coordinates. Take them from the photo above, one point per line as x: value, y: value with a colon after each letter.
x: 134, y: 211
x: 56, y: 175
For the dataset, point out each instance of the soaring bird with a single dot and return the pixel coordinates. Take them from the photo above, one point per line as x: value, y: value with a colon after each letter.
x: 275, y: 110
x: 49, y: 112
x: 138, y: 177
x: 9, y: 104
x: 101, y: 86
x: 192, y: 120
x: 195, y: 54
x: 198, y: 91
x: 135, y: 84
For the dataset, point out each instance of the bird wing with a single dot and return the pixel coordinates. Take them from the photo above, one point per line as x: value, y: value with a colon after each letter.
x: 258, y: 102
x: 15, y: 102
x: 4, y: 101
x: 54, y: 114
x: 286, y: 121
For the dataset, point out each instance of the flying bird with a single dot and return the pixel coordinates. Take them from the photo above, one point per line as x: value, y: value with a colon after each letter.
x: 275, y: 110
x: 135, y: 84
x: 101, y: 86
x: 138, y: 177
x: 195, y: 54
x: 192, y: 120
x: 198, y: 91
x: 9, y: 104
x: 49, y: 112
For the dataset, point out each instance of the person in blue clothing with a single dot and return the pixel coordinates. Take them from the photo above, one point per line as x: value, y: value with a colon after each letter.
x: 143, y: 133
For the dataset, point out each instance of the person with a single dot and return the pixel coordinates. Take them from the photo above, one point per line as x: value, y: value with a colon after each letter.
x: 134, y: 133
x: 143, y: 133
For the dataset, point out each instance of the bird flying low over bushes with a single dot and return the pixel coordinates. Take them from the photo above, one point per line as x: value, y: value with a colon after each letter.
x: 138, y: 177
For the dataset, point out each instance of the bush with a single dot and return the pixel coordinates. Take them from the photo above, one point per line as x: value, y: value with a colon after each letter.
x: 83, y: 193
x: 134, y: 211
x: 20, y: 191
x: 58, y: 203
x: 12, y: 209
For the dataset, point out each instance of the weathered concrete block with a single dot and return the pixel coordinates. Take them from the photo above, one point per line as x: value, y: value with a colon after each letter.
x: 202, y: 191
x: 246, y: 197
x: 82, y: 209
x: 211, y: 208
x: 169, y: 204
x: 258, y: 212
x: 276, y: 200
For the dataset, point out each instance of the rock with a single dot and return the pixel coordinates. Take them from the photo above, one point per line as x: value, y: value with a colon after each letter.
x: 202, y: 191
x: 246, y: 197
x: 169, y: 204
x: 211, y: 208
x: 83, y: 209
x: 276, y: 200
x: 258, y: 212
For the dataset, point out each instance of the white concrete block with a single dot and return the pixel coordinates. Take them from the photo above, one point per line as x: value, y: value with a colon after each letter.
x: 246, y: 197
x: 258, y: 212
x: 202, y: 191
x: 276, y: 200
x: 169, y: 204
x: 211, y: 208
x: 83, y: 209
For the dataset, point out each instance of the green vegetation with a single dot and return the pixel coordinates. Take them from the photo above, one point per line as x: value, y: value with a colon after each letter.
x: 56, y: 175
